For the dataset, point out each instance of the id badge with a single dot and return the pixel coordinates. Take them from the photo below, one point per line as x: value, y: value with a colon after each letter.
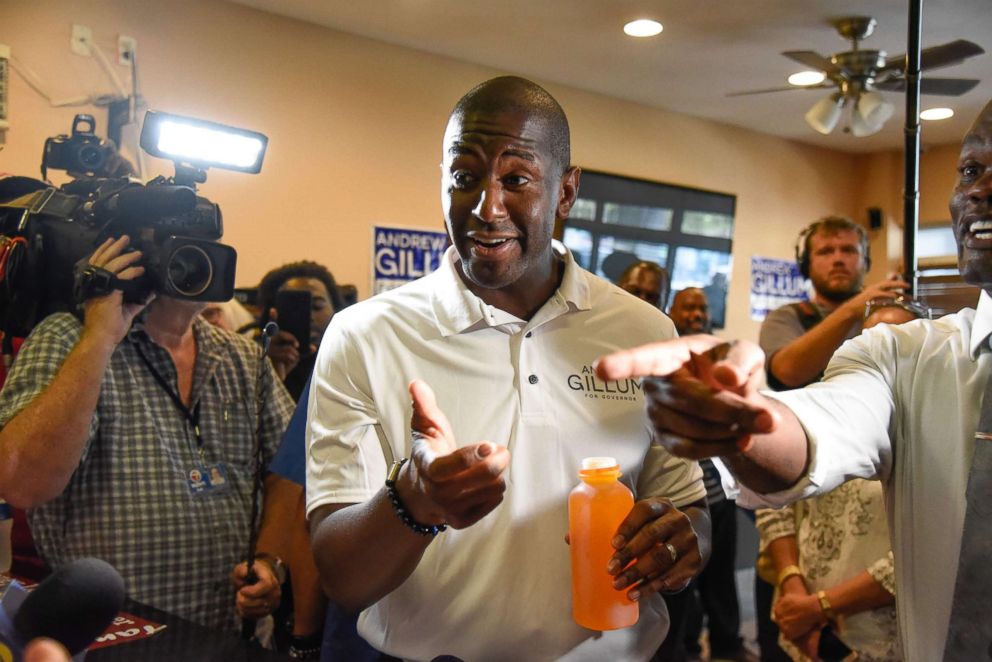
x: 217, y: 478
x: 209, y: 480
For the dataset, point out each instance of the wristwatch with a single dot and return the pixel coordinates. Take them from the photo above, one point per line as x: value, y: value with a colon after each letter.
x: 826, y: 607
x: 394, y: 472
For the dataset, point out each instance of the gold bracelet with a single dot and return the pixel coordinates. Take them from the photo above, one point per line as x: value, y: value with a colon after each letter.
x: 828, y: 611
x: 786, y: 572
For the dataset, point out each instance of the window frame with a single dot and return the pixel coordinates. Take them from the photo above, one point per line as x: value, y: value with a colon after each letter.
x: 603, y: 187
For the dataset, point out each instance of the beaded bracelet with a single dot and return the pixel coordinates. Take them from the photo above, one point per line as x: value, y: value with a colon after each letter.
x: 305, y: 647
x: 401, y: 511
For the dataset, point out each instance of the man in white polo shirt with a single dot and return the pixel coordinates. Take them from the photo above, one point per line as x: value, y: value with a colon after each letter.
x: 460, y: 550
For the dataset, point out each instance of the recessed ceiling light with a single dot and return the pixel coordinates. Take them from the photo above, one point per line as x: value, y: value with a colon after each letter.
x: 807, y: 78
x: 643, y: 27
x: 936, y: 114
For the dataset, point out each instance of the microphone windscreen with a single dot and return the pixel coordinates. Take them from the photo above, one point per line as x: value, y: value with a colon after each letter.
x: 73, y: 606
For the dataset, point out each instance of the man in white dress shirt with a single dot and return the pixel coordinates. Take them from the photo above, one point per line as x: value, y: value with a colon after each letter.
x: 899, y: 403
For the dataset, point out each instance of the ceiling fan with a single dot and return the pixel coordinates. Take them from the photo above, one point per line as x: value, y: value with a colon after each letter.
x: 858, y: 76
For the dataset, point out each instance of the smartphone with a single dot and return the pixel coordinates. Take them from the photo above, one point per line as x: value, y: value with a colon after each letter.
x: 293, y: 310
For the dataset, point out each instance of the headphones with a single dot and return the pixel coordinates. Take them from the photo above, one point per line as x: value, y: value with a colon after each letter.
x: 831, y: 224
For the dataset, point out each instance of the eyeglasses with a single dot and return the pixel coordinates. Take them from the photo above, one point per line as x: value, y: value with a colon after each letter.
x: 915, y: 308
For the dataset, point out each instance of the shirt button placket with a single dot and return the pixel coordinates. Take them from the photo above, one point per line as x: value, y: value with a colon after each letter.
x: 531, y: 399
x: 532, y: 378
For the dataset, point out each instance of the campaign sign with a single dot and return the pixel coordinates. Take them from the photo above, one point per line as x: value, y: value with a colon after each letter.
x: 774, y: 283
x: 126, y: 627
x: 401, y: 255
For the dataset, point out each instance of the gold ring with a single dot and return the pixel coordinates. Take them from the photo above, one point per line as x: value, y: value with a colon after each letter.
x: 672, y: 551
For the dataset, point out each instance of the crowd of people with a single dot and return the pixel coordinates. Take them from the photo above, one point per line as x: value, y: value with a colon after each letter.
x: 420, y: 494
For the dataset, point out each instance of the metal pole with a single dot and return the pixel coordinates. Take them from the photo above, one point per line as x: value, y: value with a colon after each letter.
x: 911, y: 190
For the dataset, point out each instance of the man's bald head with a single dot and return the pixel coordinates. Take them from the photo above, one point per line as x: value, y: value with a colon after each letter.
x: 690, y: 311
x: 984, y: 119
x: 512, y: 94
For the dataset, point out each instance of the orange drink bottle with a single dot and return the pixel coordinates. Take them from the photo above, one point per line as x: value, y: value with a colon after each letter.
x: 596, y: 507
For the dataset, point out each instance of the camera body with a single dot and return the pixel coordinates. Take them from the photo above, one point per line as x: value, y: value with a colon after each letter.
x: 47, y: 233
x: 83, y: 152
x: 175, y: 229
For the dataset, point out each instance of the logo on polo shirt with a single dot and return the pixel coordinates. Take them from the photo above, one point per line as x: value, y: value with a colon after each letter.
x: 587, y: 383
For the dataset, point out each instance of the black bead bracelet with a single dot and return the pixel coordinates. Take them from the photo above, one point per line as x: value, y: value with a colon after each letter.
x: 401, y: 511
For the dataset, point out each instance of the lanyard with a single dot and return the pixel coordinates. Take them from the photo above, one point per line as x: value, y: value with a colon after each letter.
x: 193, y: 416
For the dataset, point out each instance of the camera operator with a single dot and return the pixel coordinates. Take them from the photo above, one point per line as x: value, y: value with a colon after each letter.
x: 129, y: 436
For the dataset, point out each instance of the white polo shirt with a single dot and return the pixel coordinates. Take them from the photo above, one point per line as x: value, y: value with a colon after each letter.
x: 499, y: 589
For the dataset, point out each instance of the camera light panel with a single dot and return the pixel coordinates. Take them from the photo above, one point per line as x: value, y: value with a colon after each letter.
x: 202, y: 143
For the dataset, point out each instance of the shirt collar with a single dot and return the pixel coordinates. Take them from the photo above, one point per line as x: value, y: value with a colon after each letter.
x: 457, y: 309
x: 208, y: 337
x: 210, y: 342
x: 982, y: 327
x: 210, y: 345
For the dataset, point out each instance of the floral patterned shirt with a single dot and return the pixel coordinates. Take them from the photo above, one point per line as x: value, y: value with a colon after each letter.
x: 840, y: 535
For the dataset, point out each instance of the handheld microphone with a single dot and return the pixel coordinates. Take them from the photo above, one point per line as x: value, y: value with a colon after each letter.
x: 268, y: 332
x: 72, y: 606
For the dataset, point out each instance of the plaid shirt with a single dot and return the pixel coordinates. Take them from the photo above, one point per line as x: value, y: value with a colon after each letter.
x: 129, y: 501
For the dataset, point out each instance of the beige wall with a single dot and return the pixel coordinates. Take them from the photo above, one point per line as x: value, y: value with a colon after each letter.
x: 884, y: 186
x: 938, y: 174
x: 355, y: 128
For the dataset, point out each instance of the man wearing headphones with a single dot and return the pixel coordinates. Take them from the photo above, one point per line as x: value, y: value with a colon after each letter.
x: 799, y: 339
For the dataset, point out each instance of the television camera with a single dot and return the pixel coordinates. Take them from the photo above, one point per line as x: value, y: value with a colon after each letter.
x: 48, y: 233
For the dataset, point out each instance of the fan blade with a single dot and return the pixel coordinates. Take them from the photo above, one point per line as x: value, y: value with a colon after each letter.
x: 945, y: 55
x: 813, y: 61
x: 948, y: 87
x: 779, y: 89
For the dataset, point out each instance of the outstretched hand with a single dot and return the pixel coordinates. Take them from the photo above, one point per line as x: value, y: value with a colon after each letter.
x: 442, y: 483
x: 702, y: 393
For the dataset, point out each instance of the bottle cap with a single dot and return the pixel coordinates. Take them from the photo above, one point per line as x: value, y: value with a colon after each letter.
x: 591, y: 463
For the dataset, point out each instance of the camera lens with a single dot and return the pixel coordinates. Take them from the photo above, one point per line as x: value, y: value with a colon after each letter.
x: 190, y: 271
x: 90, y: 157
